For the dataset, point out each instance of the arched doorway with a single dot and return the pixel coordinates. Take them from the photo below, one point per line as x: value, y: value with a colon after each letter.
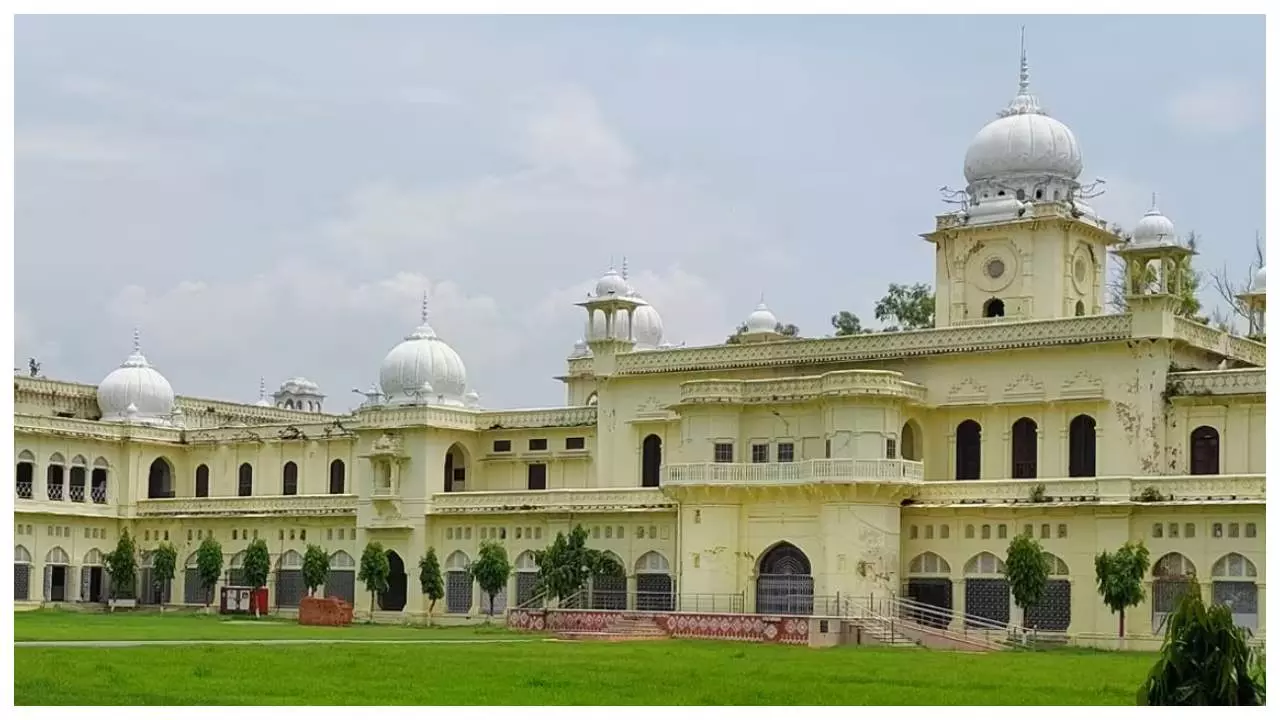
x: 655, y: 589
x: 341, y: 580
x: 1204, y: 451
x: 160, y: 479
x: 337, y: 477
x: 148, y: 592
x: 969, y: 450
x: 455, y: 469
x: 289, y: 479
x: 1025, y: 453
x: 1053, y: 614
x: 93, y: 586
x: 245, y: 482
x: 929, y: 584
x: 1235, y: 584
x: 394, y: 599
x: 986, y: 591
x: 57, y: 571
x: 290, y: 587
x: 609, y: 591
x: 202, y: 481
x: 651, y: 461
x: 1082, y: 447
x: 784, y: 582
x: 193, y: 593
x: 26, y: 474
x: 1173, y: 575
x: 526, y: 577
x: 912, y: 447
x: 21, y: 573
x: 993, y: 308
x: 79, y: 473
x: 457, y: 583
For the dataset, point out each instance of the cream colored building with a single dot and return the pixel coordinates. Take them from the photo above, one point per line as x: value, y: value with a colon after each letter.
x: 774, y: 475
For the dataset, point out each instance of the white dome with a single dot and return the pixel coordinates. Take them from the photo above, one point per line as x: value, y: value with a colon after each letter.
x: 762, y: 320
x: 646, y: 326
x: 423, y: 369
x: 299, y: 386
x: 136, y: 392
x: 472, y: 399
x: 1259, y: 284
x: 612, y: 284
x: 1154, y: 229
x: 580, y: 349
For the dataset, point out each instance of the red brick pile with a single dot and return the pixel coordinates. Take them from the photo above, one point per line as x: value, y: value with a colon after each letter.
x: 324, y: 611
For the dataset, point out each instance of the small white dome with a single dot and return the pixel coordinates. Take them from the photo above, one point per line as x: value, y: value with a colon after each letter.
x: 580, y: 349
x: 472, y: 399
x: 1154, y: 228
x: 423, y: 369
x: 611, y: 283
x: 299, y: 386
x: 136, y: 392
x: 1259, y: 283
x: 762, y: 320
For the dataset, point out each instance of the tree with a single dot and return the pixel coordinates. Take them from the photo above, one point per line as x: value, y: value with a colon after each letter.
x: 1120, y: 576
x: 1205, y: 660
x: 491, y: 570
x: 787, y: 330
x: 257, y: 566
x: 1227, y: 289
x: 122, y: 565
x: 375, y: 569
x: 315, y: 567
x: 567, y: 564
x: 846, y: 323
x: 430, y: 579
x: 164, y: 563
x: 209, y: 566
x: 1027, y: 569
x: 906, y: 307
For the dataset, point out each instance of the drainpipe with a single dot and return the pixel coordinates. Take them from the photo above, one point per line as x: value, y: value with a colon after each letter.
x: 679, y: 555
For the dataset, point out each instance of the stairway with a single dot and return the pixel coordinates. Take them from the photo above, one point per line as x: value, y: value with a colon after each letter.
x: 620, y: 628
x: 880, y: 631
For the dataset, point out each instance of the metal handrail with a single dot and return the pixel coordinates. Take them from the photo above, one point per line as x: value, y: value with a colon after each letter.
x: 1000, y: 641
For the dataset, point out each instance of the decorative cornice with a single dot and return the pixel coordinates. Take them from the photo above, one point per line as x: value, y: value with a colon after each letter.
x: 551, y: 501
x: 1092, y: 491
x: 473, y: 420
x: 1219, y: 342
x: 797, y: 389
x: 1243, y: 381
x: 93, y: 429
x: 261, y: 505
x: 807, y: 472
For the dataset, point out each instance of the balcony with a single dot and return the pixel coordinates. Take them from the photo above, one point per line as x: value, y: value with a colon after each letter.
x: 24, y: 490
x: 827, y: 471
x: 98, y: 494
x: 260, y: 505
x: 551, y: 501
x: 55, y: 491
x: 1103, y: 490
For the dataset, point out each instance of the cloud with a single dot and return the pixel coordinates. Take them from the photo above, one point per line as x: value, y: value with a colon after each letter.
x: 75, y: 145
x: 1215, y: 106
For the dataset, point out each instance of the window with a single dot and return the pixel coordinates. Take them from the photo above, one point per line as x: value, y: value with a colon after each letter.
x: 915, y: 532
x: 1233, y: 530
x: 1250, y: 530
x: 969, y: 450
x: 281, y: 533
x: 891, y: 448
x: 537, y: 533
x: 537, y: 444
x: 255, y: 534
x: 1189, y: 530
x: 537, y: 476
x: 448, y: 533
x: 608, y: 532
x: 1082, y: 446
x: 653, y: 531
x: 1062, y: 530
x: 944, y: 531
x: 1217, y: 530
x: 342, y: 532
x: 1044, y: 531
x: 786, y: 452
x: 995, y: 306
x: 760, y: 453
x: 329, y: 534
x: 620, y: 532
x: 1025, y: 436
x: 337, y: 477
x: 246, y: 480
x: 202, y: 481
x: 189, y: 533
x: 501, y: 446
x: 986, y: 532
x: 575, y: 443
x: 1028, y: 530
x: 1204, y: 451
x: 1157, y: 530
x: 290, y: 479
x: 595, y: 532
x: 291, y: 534
x: 968, y: 532
x: 1002, y: 531
x: 233, y: 535
x: 724, y: 452
x: 928, y: 532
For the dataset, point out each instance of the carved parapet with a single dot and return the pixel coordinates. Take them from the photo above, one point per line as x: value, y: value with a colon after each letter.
x: 832, y: 384
x: 551, y: 501
x: 297, y: 505
x: 1098, y: 491
x: 1219, y: 342
x: 807, y: 472
x: 93, y: 429
x: 1244, y: 381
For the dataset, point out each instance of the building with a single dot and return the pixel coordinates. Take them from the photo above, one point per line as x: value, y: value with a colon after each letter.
x: 773, y: 475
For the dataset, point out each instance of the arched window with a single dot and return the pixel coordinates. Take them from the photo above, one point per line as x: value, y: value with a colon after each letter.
x: 98, y: 480
x: 651, y: 461
x: 1083, y: 447
x: 593, y: 399
x: 337, y: 477
x: 246, y: 480
x: 911, y: 441
x: 1079, y: 308
x: 341, y: 580
x: 202, y: 481
x: 53, y: 477
x: 929, y: 564
x: 1053, y: 612
x: 969, y: 450
x: 457, y: 583
x: 784, y: 584
x: 993, y: 308
x: 1173, y: 575
x: 526, y: 578
x: 1235, y: 584
x: 455, y: 469
x: 1025, y: 454
x: 79, y: 471
x: 655, y: 590
x: 160, y: 479
x: 929, y: 589
x: 25, y: 478
x: 21, y: 574
x: 1204, y: 451
x: 608, y: 591
x: 290, y: 478
x: 986, y: 591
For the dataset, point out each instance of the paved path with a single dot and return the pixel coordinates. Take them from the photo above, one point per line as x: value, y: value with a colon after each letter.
x: 286, y: 641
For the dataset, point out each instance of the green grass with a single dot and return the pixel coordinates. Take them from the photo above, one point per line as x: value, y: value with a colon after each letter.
x: 675, y: 672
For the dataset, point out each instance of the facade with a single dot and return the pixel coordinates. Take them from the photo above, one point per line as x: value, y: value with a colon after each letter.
x: 771, y: 475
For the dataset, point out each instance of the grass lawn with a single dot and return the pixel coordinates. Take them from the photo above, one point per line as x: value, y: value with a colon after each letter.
x: 675, y: 672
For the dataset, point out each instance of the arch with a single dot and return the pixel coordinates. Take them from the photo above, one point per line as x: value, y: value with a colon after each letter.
x: 1079, y: 308
x: 1082, y: 446
x: 193, y: 560
x: 457, y: 560
x: 986, y: 590
x: 78, y: 476
x: 337, y: 477
x: 26, y: 456
x: 1025, y: 436
x: 101, y: 462
x: 655, y: 587
x: 25, y: 475
x: 290, y: 586
x: 342, y: 560
x: 784, y: 581
x: 341, y: 580
x: 593, y: 399
x: 984, y: 563
x: 526, y: 566
x: 237, y: 560
x: 57, y: 556
x: 98, y: 480
x: 609, y: 591
x: 911, y: 441
x: 93, y: 557
x: 1234, y: 565
x: 969, y: 450
x: 1235, y: 584
x: 1173, y: 574
x: 290, y: 560
x: 1053, y: 612
x: 1205, y: 445
x: 244, y: 487
x: 1173, y: 565
x: 21, y: 573
x: 458, y: 587
x: 54, y: 475
x: 928, y: 563
x: 652, y: 562
x: 526, y: 562
x: 394, y: 599
x: 289, y: 478
x: 160, y: 478
x: 288, y: 404
x: 993, y: 308
x: 57, y: 459
x: 456, y: 463
x: 79, y: 460
x: 21, y: 555
x: 651, y: 461
x: 1057, y: 567
x: 202, y: 481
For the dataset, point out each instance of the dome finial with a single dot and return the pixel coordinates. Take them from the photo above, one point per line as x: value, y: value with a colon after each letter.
x: 262, y: 388
x: 624, y: 267
x: 137, y: 341
x: 1153, y: 203
x: 424, y: 306
x: 1024, y: 72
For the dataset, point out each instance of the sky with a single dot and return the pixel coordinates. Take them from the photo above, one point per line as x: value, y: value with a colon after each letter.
x: 271, y: 196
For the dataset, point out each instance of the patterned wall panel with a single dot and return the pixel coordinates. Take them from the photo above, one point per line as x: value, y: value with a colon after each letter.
x: 987, y: 598
x: 1053, y: 614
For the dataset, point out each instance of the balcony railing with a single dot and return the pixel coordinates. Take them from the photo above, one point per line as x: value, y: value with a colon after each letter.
x: 76, y: 493
x: 24, y: 490
x: 831, y: 471
x: 98, y: 494
x: 55, y: 492
x: 254, y: 505
x: 551, y: 501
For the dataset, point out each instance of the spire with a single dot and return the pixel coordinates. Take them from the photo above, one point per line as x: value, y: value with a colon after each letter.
x: 1153, y: 209
x: 262, y: 388
x: 1024, y: 103
x: 1024, y: 72
x: 424, y: 307
x: 624, y: 267
x: 137, y: 341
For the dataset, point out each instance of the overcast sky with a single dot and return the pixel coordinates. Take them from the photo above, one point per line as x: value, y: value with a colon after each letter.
x: 271, y: 196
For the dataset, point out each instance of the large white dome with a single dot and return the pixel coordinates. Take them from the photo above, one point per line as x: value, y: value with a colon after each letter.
x: 136, y: 392
x: 423, y: 369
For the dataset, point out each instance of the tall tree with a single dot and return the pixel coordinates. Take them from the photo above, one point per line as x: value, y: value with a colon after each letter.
x: 906, y: 307
x: 257, y: 566
x: 122, y: 566
x: 1027, y: 569
x: 491, y: 570
x: 375, y: 573
x: 164, y: 563
x: 430, y: 578
x: 566, y: 565
x: 846, y: 323
x: 1205, y: 660
x: 1120, y: 576
x: 209, y: 566
x: 315, y: 567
